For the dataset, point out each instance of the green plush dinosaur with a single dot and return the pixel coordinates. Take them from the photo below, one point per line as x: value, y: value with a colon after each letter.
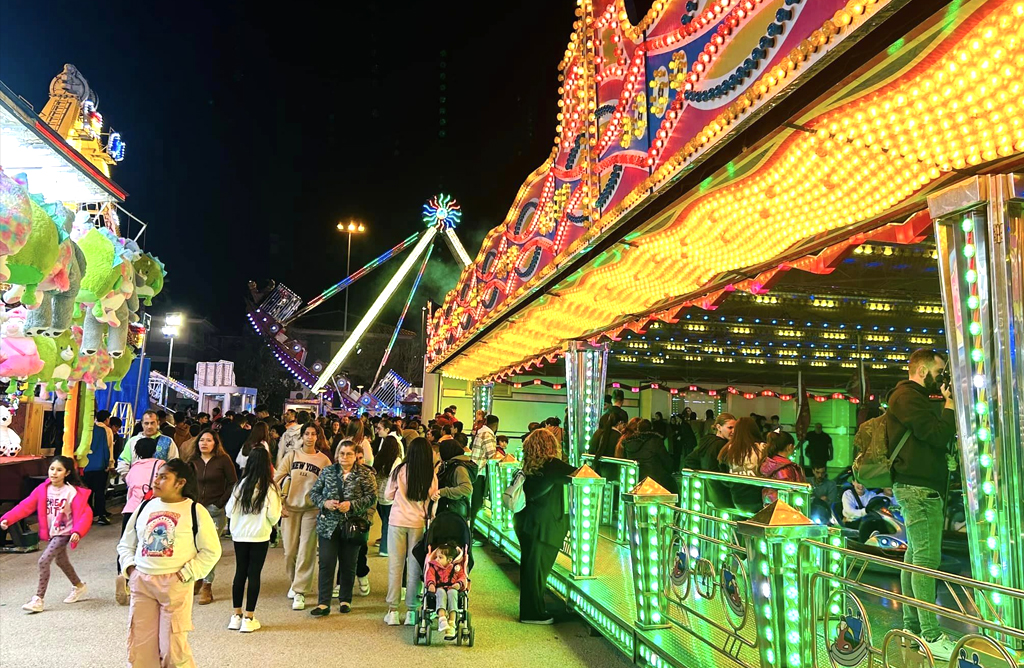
x: 30, y: 265
x: 121, y: 366
x: 151, y: 269
x: 102, y: 270
x: 67, y: 356
x: 47, y: 348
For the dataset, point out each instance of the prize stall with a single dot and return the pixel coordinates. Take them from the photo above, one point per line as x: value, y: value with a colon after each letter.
x: 73, y: 278
x: 776, y: 200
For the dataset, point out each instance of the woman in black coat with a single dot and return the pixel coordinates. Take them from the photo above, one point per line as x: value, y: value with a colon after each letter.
x: 542, y: 524
x: 647, y: 448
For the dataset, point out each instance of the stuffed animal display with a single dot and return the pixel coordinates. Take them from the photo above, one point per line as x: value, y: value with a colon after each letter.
x: 10, y: 442
x: 74, y: 289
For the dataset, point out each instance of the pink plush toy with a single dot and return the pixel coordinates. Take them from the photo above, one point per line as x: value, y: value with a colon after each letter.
x: 19, y: 357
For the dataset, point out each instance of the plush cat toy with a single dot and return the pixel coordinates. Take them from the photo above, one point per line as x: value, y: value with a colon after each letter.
x: 10, y: 443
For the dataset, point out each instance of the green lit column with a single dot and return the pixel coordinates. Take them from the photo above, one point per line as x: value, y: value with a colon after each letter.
x: 483, y: 397
x: 628, y: 472
x: 584, y: 512
x: 648, y: 511
x: 495, y: 490
x: 772, y: 540
x: 585, y: 370
x: 980, y: 240
x: 506, y: 470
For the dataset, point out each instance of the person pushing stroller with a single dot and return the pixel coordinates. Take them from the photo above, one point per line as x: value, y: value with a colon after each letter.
x: 445, y: 579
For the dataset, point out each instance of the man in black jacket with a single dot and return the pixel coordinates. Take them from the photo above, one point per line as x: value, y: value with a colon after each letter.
x: 920, y: 476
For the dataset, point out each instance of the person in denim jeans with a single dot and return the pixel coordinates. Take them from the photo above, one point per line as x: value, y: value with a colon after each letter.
x: 920, y: 476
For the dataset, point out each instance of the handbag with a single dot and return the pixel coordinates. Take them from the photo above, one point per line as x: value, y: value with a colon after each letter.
x: 514, y: 497
x: 354, y: 529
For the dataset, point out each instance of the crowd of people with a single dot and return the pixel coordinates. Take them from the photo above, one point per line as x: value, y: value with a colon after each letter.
x: 317, y: 485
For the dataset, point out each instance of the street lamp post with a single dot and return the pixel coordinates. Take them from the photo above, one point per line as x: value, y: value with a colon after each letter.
x: 349, y: 229
x: 171, y: 330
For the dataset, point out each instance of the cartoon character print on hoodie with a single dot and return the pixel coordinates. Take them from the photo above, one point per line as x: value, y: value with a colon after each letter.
x: 158, y: 536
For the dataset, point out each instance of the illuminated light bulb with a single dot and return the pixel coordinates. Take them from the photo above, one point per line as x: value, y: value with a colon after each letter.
x: 984, y: 434
x: 973, y: 302
x: 981, y: 408
x: 975, y: 328
x: 971, y: 276
x: 986, y: 461
x: 990, y: 515
x: 979, y: 381
x: 988, y: 488
x: 977, y: 355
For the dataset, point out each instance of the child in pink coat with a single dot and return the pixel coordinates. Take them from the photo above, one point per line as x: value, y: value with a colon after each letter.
x: 445, y: 578
x: 62, y: 507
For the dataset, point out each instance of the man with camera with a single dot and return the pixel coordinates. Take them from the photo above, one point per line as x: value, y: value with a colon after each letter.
x: 920, y: 476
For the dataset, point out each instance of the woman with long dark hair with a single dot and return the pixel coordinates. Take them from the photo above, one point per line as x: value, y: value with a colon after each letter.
x: 215, y: 476
x: 542, y: 524
x: 388, y: 459
x: 253, y: 509
x: 411, y: 487
x: 259, y: 437
x: 170, y: 541
x: 742, y: 454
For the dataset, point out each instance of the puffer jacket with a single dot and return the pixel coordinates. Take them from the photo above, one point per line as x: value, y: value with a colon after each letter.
x: 779, y: 468
x: 653, y: 460
x: 359, y: 488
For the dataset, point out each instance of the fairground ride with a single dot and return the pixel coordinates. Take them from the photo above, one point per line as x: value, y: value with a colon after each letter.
x: 272, y: 312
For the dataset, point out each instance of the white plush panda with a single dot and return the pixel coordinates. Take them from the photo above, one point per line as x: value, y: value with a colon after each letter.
x: 10, y: 442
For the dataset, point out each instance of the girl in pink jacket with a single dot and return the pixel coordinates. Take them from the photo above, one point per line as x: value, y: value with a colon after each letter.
x: 62, y: 507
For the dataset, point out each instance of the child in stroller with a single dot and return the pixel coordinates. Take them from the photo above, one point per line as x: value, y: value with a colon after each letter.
x: 447, y: 561
x: 445, y: 580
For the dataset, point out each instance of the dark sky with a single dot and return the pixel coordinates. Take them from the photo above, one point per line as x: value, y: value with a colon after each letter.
x: 251, y: 133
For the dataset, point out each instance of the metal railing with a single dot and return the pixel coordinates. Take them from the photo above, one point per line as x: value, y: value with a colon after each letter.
x: 623, y: 477
x: 694, y: 584
x: 845, y: 623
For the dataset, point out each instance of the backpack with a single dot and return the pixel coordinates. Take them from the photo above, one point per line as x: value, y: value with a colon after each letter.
x: 195, y: 520
x: 872, y: 467
x: 514, y: 497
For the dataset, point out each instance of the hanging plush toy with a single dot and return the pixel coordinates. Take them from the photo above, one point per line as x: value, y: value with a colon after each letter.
x: 10, y: 442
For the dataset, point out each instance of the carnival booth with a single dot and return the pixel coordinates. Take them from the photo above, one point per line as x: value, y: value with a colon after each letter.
x: 769, y: 202
x: 74, y: 278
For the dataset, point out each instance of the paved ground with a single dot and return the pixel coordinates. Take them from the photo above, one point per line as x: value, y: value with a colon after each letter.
x: 92, y: 633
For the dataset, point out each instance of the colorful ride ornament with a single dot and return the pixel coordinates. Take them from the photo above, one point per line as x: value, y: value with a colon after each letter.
x: 10, y: 442
x: 15, y: 221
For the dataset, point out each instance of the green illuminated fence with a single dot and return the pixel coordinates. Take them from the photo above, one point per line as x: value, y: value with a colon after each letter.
x: 622, y: 476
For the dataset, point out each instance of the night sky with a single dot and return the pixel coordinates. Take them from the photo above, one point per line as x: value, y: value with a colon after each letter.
x: 250, y: 133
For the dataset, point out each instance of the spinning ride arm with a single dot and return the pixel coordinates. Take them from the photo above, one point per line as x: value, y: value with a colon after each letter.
x: 401, y: 318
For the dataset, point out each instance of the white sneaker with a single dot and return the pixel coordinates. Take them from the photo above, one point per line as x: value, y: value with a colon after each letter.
x: 235, y: 623
x: 364, y: 586
x: 336, y: 592
x: 291, y: 593
x: 941, y: 648
x: 250, y: 624
x: 77, y: 594
x: 391, y: 619
x: 35, y: 605
x: 299, y: 602
x: 442, y: 623
x: 410, y: 618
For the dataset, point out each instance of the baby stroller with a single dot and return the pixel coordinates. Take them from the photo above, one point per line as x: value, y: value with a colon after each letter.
x: 446, y: 526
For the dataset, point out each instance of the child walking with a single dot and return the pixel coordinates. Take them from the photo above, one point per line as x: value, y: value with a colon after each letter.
x: 62, y: 507
x: 169, y: 543
x: 445, y: 578
x: 253, y: 509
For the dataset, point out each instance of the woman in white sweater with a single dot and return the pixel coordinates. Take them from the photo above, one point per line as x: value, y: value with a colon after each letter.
x: 169, y: 543
x: 253, y: 509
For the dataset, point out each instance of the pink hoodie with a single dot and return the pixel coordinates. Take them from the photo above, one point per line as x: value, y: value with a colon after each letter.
x: 81, y: 513
x: 139, y: 480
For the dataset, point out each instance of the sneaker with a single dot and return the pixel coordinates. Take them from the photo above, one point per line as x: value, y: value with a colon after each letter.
x: 442, y: 623
x: 336, y: 592
x: 121, y: 592
x: 541, y: 622
x: 344, y: 607
x: 35, y: 605
x: 410, y: 618
x: 235, y: 623
x: 941, y: 648
x: 382, y: 554
x: 291, y: 593
x: 250, y: 624
x: 320, y: 612
x: 103, y: 521
x: 452, y: 632
x: 299, y: 602
x: 77, y: 593
x: 364, y: 586
x: 391, y: 619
